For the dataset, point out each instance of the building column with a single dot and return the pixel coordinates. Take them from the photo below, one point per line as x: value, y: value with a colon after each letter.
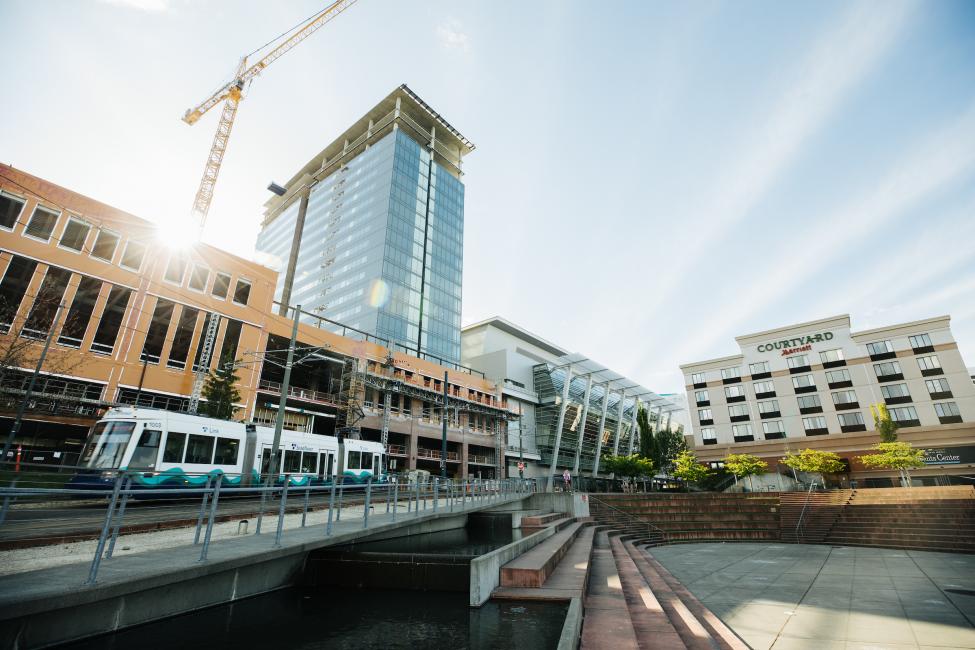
x: 582, y: 427
x: 633, y: 429
x: 411, y: 452
x: 660, y: 412
x: 599, y: 434
x: 463, y: 460
x: 619, y: 424
x: 668, y: 420
x: 558, y: 427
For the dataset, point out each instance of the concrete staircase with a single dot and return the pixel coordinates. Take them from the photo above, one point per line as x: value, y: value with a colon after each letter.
x: 808, y: 517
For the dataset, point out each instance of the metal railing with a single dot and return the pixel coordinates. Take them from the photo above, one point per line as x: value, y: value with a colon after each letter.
x: 802, y: 513
x: 658, y: 535
x: 217, y: 508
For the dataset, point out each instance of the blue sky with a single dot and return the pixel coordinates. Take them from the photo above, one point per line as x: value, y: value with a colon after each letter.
x: 651, y: 179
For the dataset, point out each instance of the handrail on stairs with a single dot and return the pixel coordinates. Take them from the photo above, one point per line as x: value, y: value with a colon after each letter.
x: 661, y: 532
x: 805, y: 505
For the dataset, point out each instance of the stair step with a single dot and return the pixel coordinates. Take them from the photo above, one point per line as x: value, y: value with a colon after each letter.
x: 533, y: 567
x: 607, y: 622
x: 567, y: 581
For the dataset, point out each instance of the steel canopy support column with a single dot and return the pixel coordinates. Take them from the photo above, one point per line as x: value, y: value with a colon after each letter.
x: 558, y: 427
x: 599, y: 434
x: 582, y: 426
x: 633, y: 431
x: 660, y: 412
x: 619, y: 424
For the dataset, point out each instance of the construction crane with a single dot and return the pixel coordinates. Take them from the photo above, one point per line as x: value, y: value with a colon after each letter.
x: 231, y: 95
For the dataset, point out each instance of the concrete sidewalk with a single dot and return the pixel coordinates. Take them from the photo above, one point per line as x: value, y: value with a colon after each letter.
x: 818, y: 597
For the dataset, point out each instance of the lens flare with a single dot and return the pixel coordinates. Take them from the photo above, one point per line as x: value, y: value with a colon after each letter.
x: 378, y: 293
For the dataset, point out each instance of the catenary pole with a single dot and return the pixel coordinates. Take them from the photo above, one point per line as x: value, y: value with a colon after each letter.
x: 285, y: 385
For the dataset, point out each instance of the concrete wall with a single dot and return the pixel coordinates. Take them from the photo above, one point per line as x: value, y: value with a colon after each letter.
x: 486, y: 569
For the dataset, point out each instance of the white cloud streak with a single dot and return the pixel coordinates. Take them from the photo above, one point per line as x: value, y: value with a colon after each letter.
x: 151, y: 6
x: 452, y: 36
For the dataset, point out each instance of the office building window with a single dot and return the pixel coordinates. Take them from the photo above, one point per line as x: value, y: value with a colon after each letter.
x: 701, y: 396
x: 242, y: 292
x: 10, y: 209
x: 182, y: 338
x: 851, y: 419
x: 887, y: 369
x: 808, y: 402
x: 742, y: 431
x: 133, y: 255
x: 838, y: 376
x: 74, y: 235
x: 770, y: 406
x: 231, y: 338
x: 919, y: 341
x: 111, y: 320
x: 708, y: 436
x: 199, y: 277
x: 42, y: 223
x: 904, y: 416
x: 831, y: 356
x: 221, y: 286
x: 105, y: 245
x: 156, y: 336
x: 730, y: 373
x: 13, y: 287
x: 45, y: 306
x: 880, y: 347
x: 817, y: 423
x: 79, y: 314
x: 938, y: 387
x: 176, y: 269
x: 798, y: 361
x: 764, y: 388
x: 736, y: 391
x: 845, y: 397
x: 758, y: 368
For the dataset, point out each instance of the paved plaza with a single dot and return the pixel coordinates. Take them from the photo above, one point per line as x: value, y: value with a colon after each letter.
x: 794, y: 596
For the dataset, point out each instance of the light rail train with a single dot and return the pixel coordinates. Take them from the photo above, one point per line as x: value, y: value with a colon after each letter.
x: 169, y: 449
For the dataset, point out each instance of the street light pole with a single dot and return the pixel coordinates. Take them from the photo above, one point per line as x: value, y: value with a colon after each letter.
x: 15, y: 428
x: 443, y: 433
x: 285, y: 385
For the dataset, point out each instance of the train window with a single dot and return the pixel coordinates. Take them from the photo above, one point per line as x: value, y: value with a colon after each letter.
x: 226, y: 453
x: 173, y: 453
x: 147, y: 451
x: 199, y: 450
x: 354, y: 460
x: 292, y: 462
x: 107, y: 444
x: 375, y: 465
x: 308, y: 462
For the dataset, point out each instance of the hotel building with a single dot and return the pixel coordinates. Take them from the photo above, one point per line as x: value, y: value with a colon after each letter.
x: 372, y: 229
x: 812, y: 384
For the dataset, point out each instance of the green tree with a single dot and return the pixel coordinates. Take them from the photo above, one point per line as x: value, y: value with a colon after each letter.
x: 745, y: 465
x: 220, y: 391
x: 661, y: 447
x: 648, y: 442
x: 895, y: 455
x: 687, y: 468
x: 631, y: 466
x: 886, y: 427
x: 814, y: 462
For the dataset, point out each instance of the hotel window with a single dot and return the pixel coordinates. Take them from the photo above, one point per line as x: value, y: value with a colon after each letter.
x: 896, y: 392
x: 844, y: 397
x: 771, y: 406
x: 938, y: 387
x: 701, y: 396
x: 948, y: 412
x: 810, y: 404
x: 242, y: 292
x: 880, y: 347
x: 707, y: 435
x: 814, y: 424
x: 221, y: 286
x: 734, y: 392
x: 738, y: 411
x: 764, y: 387
x: 176, y: 269
x: 803, y: 383
x: 773, y: 429
x: 74, y: 235
x: 887, y: 369
x: 199, y: 277
x: 704, y: 414
x: 904, y: 416
x: 831, y: 356
x: 929, y: 365
x: 758, y: 368
x: 10, y: 209
x: 742, y: 431
x: 731, y: 373
x: 851, y: 421
x: 798, y: 361
x: 105, y: 245
x: 920, y: 341
x: 41, y: 223
x: 838, y: 376
x: 133, y: 256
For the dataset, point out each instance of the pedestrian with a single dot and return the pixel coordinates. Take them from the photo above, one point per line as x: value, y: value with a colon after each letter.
x: 567, y: 479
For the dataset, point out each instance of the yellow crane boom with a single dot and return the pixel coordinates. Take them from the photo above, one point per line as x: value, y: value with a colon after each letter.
x: 232, y: 93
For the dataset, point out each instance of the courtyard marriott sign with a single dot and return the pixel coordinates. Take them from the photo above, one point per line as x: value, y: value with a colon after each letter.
x: 797, y: 344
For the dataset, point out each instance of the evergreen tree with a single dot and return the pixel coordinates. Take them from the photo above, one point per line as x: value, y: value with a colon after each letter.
x: 220, y: 391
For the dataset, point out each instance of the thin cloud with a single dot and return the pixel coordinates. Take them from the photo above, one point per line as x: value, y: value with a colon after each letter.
x: 452, y: 36
x: 152, y: 6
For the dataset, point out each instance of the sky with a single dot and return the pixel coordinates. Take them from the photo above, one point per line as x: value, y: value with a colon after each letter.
x: 651, y: 179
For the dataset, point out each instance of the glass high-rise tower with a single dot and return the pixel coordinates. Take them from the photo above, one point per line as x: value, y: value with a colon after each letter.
x: 381, y: 248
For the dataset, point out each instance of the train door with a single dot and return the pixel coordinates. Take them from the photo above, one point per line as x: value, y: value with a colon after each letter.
x: 266, y: 460
x: 326, y: 465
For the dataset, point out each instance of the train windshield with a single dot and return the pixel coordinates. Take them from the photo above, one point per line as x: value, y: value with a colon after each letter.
x: 106, y: 445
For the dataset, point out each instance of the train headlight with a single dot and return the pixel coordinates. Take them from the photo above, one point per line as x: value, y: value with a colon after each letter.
x: 108, y: 474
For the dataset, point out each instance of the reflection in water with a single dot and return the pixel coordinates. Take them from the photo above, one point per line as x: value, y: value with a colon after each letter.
x: 471, y: 541
x: 313, y: 619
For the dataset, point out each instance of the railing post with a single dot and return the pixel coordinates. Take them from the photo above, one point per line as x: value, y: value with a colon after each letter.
x: 338, y: 513
x: 284, y: 502
x: 212, y: 519
x: 365, y: 510
x: 304, y: 510
x: 97, y: 560
x: 203, y: 509
x: 436, y: 493
x: 265, y: 486
x: 331, y: 505
x: 7, y: 499
x: 395, y: 498
x: 388, y: 494
x: 416, y: 508
x: 126, y: 486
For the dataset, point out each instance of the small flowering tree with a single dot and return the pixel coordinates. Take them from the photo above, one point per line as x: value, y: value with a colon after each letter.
x: 895, y: 455
x: 688, y: 469
x: 745, y: 465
